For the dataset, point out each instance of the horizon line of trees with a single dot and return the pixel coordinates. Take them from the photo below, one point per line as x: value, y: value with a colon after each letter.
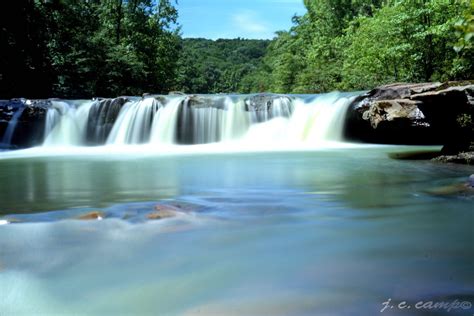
x: 106, y: 48
x: 360, y: 44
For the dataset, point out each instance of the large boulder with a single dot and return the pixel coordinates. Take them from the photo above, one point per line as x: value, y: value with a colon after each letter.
x: 423, y: 113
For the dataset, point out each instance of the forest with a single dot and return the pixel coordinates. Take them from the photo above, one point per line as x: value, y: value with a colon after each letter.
x: 83, y: 49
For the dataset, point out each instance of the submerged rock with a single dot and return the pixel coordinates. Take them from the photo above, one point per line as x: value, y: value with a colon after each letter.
x: 465, y: 188
x: 173, y: 209
x: 94, y: 215
x: 162, y: 211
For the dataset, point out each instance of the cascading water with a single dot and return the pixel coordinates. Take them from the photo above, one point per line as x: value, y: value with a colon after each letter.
x: 169, y: 120
x: 70, y: 129
x: 134, y: 122
x: 8, y: 136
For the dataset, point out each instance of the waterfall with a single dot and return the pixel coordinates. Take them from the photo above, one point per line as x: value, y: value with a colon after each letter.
x: 102, y: 117
x: 70, y: 129
x: 9, y: 132
x: 165, y: 122
x: 198, y: 119
x: 134, y: 122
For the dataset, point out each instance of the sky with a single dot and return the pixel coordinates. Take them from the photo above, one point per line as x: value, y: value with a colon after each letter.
x: 253, y: 19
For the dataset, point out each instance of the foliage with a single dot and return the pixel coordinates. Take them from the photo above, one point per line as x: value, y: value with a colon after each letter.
x: 359, y: 44
x: 220, y: 66
x: 84, y: 48
x: 89, y: 48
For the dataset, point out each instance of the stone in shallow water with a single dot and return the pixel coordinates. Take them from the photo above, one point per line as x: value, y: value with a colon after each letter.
x: 162, y: 211
x: 172, y: 209
x: 455, y: 189
x: 95, y: 215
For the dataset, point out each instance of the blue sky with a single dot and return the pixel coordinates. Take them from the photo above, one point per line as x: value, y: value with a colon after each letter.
x: 256, y: 19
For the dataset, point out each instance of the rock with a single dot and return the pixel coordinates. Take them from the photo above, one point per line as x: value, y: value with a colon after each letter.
x: 389, y: 110
x: 267, y: 106
x: 94, y: 215
x: 466, y: 188
x: 200, y: 102
x: 172, y: 209
x: 102, y: 117
x: 424, y: 113
x: 162, y: 211
x: 463, y: 158
x: 29, y: 128
x: 191, y: 107
x: 186, y: 207
x: 414, y: 155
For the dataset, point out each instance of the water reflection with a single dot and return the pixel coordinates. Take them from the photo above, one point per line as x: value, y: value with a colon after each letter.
x: 314, y: 233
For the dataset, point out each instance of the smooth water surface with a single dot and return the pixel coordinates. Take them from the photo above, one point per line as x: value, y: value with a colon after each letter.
x: 321, y: 232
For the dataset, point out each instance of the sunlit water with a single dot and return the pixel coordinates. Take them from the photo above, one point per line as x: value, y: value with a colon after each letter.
x: 334, y: 231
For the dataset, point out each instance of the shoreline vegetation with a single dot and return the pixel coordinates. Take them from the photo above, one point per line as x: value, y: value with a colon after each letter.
x: 84, y: 49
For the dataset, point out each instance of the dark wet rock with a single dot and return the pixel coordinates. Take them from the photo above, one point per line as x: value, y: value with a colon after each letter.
x: 102, y: 117
x: 161, y: 99
x: 200, y: 102
x: 29, y: 126
x: 267, y: 106
x: 190, y: 108
x: 425, y: 113
x: 94, y: 215
x: 414, y: 155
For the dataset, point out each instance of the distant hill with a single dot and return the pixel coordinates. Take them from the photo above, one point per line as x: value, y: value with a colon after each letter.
x: 220, y: 66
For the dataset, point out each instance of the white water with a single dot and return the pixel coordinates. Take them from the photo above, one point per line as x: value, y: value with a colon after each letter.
x: 9, y: 132
x: 176, y: 120
x: 70, y: 128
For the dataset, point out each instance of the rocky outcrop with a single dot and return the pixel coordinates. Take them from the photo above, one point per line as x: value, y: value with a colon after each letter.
x: 28, y: 128
x: 267, y: 106
x: 425, y: 113
x: 191, y: 108
x: 102, y: 116
x: 463, y: 157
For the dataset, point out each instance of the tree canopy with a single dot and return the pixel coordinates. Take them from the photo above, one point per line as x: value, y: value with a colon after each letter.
x: 359, y: 44
x: 85, y: 48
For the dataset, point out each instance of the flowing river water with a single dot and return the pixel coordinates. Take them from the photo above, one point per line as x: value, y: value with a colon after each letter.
x: 267, y: 224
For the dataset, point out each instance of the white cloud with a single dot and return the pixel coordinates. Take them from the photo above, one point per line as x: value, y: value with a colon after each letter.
x: 249, y: 21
